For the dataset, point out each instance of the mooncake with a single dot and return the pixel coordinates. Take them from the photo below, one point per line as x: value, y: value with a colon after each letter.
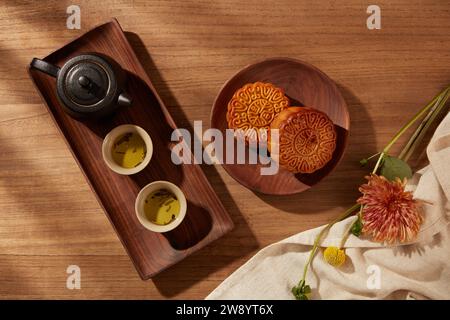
x: 307, y: 139
x: 253, y: 107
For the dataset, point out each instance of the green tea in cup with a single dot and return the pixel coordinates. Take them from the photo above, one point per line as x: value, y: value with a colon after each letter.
x: 129, y: 150
x: 161, y: 207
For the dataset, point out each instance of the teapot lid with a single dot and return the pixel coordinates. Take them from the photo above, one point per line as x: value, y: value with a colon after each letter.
x: 86, y: 83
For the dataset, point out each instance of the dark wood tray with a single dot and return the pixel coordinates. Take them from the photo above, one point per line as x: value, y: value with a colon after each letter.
x: 206, y: 218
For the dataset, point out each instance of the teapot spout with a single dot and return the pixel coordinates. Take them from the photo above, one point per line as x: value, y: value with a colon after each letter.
x: 124, y: 100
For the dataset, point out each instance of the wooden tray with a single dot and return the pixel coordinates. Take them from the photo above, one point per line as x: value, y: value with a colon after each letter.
x: 206, y: 218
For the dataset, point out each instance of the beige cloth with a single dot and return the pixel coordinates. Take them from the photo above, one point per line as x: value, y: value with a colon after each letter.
x: 417, y: 270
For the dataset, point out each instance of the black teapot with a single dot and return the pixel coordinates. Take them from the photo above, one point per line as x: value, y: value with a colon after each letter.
x: 88, y: 85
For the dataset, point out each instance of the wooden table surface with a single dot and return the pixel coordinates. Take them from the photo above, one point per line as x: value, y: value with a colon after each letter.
x: 49, y: 218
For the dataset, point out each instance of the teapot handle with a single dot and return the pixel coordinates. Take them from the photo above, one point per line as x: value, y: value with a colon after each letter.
x: 45, y: 67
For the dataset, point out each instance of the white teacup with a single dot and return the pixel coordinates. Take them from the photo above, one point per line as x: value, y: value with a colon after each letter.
x: 110, y: 139
x: 140, y: 201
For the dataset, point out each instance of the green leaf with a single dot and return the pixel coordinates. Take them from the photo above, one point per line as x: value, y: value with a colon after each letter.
x: 301, y: 291
x: 363, y: 162
x: 393, y: 167
x: 357, y: 228
x: 296, y: 291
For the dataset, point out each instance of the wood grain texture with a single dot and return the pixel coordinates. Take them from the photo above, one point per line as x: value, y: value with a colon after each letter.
x: 206, y: 218
x: 305, y: 85
x: 49, y: 216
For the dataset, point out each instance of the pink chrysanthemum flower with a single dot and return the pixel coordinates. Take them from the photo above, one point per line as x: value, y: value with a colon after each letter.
x: 390, y: 213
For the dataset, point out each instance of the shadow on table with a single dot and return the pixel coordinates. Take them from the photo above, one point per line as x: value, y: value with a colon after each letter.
x: 199, y: 265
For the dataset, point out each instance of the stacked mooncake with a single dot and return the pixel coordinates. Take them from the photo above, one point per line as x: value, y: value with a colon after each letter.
x: 307, y: 137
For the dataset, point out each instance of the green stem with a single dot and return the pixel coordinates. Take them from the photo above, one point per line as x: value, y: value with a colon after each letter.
x: 360, y: 212
x: 321, y: 233
x: 413, y: 120
x: 373, y: 156
x: 377, y: 165
x: 347, y: 232
x: 422, y: 129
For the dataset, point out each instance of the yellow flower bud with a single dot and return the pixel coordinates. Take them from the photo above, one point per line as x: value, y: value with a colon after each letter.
x: 334, y: 256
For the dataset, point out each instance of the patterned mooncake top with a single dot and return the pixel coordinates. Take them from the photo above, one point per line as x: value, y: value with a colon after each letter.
x: 254, y: 106
x: 307, y: 139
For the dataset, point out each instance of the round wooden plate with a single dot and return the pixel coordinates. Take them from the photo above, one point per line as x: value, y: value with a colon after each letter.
x: 305, y: 85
